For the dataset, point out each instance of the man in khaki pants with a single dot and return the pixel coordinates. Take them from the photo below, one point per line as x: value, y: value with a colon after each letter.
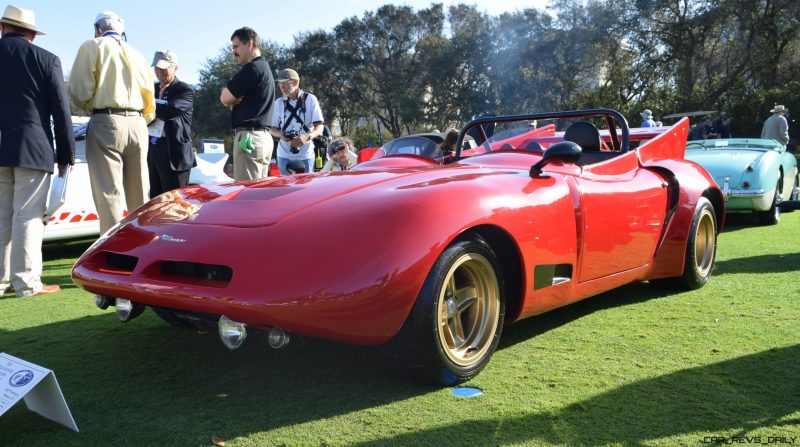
x: 117, y: 140
x: 250, y: 95
x: 31, y: 93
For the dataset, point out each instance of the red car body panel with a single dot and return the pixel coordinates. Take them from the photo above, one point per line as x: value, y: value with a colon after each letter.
x: 344, y: 255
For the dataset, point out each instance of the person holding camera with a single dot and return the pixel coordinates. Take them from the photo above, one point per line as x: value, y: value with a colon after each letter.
x: 296, y: 121
x: 340, y: 155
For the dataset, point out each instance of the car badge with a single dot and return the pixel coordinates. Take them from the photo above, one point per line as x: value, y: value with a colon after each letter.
x: 168, y: 238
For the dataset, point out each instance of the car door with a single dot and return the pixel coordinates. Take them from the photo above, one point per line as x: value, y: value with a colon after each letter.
x: 620, y: 217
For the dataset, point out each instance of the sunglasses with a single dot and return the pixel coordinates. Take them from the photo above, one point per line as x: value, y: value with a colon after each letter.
x: 340, y: 148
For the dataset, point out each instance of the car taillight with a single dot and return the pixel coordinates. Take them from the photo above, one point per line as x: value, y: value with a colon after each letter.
x: 746, y: 185
x: 749, y: 168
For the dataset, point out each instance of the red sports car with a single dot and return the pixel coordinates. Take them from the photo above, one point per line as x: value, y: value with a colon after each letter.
x: 431, y: 256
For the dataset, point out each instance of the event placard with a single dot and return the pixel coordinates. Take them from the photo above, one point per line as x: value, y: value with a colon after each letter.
x: 37, y: 386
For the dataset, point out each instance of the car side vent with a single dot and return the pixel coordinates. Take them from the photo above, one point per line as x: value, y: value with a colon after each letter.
x: 120, y: 263
x: 196, y: 270
x: 546, y: 275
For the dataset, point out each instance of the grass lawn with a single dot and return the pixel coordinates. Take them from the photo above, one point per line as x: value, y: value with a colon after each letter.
x: 634, y: 367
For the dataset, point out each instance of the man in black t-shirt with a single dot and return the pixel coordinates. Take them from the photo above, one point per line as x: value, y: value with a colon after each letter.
x: 250, y: 95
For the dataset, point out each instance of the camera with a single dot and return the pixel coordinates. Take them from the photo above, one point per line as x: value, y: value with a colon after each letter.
x: 291, y: 135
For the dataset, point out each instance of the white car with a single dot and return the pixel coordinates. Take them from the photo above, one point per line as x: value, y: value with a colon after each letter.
x: 77, y: 217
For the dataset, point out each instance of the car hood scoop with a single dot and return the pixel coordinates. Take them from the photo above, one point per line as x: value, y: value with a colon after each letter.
x: 265, y: 202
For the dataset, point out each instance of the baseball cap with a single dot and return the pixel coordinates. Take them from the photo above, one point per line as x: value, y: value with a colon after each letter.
x: 112, y: 19
x: 164, y: 58
x: 287, y: 74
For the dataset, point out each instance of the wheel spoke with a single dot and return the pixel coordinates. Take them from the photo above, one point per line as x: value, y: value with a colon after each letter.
x: 466, y: 297
x: 447, y: 332
x: 450, y: 289
x: 458, y: 331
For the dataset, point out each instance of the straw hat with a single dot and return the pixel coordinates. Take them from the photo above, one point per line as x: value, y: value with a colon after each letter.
x: 779, y: 109
x: 21, y: 18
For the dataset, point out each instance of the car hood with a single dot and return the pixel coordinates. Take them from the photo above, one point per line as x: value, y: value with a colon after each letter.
x: 730, y: 163
x: 268, y: 201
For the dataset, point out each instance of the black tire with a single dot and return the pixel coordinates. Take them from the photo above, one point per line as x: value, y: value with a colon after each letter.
x: 701, y: 251
x: 170, y: 317
x: 447, y: 341
x: 795, y: 193
x: 773, y: 215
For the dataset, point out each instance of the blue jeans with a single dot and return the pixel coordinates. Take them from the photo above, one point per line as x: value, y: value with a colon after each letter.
x: 282, y: 162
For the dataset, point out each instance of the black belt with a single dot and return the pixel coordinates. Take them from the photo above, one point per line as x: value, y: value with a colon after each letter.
x: 249, y: 129
x: 114, y: 111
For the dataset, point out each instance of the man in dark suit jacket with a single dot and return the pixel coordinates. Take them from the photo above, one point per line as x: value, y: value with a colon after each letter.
x: 32, y: 92
x: 170, y: 157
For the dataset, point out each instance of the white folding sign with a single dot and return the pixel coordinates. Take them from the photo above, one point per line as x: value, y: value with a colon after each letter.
x: 37, y: 386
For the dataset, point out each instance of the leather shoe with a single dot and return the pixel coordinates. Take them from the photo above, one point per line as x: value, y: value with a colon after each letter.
x: 48, y: 289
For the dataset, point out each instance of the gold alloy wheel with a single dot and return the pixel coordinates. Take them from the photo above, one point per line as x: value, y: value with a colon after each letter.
x: 704, y: 244
x: 468, y: 310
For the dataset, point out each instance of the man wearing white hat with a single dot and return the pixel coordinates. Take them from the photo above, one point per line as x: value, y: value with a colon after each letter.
x: 170, y: 157
x: 647, y: 116
x: 113, y: 82
x: 776, y: 127
x: 31, y: 93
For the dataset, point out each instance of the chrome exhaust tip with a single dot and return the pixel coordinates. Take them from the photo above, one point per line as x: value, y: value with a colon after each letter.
x: 277, y: 338
x: 103, y: 301
x: 127, y: 310
x: 232, y: 333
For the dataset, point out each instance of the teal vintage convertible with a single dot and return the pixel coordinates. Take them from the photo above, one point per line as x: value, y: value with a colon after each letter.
x: 755, y: 174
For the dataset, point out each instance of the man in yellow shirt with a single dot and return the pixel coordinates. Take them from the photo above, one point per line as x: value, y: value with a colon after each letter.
x: 113, y: 82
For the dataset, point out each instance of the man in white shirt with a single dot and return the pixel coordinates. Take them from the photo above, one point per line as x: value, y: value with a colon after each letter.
x: 296, y: 120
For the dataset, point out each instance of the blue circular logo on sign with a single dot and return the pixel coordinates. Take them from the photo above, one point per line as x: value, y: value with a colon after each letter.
x: 21, y: 378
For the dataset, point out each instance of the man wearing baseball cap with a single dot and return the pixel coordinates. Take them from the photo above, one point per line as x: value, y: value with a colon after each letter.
x: 297, y: 120
x: 170, y: 157
x: 112, y: 81
x: 31, y: 93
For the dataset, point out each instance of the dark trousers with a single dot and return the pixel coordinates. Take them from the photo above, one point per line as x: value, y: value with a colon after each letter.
x: 162, y: 177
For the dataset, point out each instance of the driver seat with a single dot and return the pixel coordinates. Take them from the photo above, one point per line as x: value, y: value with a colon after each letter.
x: 585, y: 135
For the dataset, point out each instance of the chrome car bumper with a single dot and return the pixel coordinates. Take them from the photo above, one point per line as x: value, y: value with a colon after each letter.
x: 728, y: 192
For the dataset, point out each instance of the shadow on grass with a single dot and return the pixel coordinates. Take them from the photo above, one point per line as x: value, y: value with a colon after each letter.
x: 624, y: 296
x: 146, y: 383
x: 738, y: 395
x: 739, y: 221
x: 775, y: 263
x: 65, y: 249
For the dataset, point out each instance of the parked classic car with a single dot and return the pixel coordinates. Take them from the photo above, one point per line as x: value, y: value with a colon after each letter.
x: 428, y: 258
x: 77, y: 217
x: 755, y: 175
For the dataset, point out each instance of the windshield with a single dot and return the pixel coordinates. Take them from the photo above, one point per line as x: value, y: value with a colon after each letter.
x: 412, y: 145
x: 736, y: 144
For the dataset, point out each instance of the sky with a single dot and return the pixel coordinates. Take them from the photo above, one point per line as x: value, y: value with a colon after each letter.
x: 198, y: 30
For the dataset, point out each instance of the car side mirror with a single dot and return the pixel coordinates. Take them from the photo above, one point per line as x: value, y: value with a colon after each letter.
x: 565, y: 151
